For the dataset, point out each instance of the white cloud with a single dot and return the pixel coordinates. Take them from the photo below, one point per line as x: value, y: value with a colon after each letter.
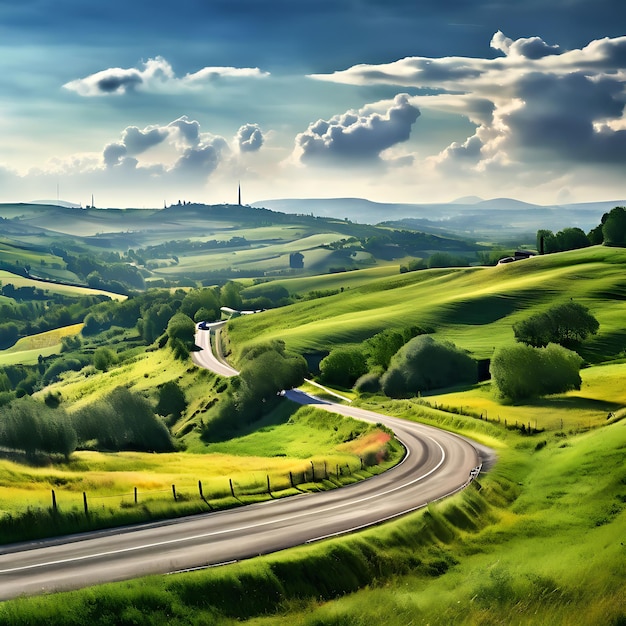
x: 537, y: 105
x: 358, y: 136
x: 249, y: 138
x: 155, y: 75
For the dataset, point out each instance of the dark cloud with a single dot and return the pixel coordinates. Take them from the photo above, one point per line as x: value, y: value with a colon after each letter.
x: 201, y: 160
x: 115, y: 83
x: 358, y: 136
x: 138, y: 141
x: 249, y: 138
x: 112, y: 153
x: 560, y: 114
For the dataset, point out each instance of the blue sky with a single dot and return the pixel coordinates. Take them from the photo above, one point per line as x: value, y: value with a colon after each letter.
x: 141, y: 103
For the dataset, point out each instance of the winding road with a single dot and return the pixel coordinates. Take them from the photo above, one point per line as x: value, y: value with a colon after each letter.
x: 437, y: 464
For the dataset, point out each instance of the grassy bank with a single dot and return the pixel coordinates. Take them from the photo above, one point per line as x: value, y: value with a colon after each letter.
x: 538, y: 540
x: 305, y: 447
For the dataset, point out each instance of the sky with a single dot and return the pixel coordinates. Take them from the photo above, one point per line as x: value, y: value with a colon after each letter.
x: 143, y: 104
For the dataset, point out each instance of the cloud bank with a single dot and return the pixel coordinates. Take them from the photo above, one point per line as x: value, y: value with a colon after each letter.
x: 536, y: 104
x: 155, y: 75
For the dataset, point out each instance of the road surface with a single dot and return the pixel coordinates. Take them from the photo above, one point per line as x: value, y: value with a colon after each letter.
x: 437, y: 463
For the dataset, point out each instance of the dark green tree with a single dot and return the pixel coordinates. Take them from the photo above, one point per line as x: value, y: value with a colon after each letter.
x: 614, y: 227
x: 343, y: 366
x: 424, y: 364
x: 521, y: 371
x: 568, y: 324
x: 172, y: 400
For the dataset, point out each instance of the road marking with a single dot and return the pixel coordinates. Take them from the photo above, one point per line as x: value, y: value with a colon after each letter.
x: 247, y: 527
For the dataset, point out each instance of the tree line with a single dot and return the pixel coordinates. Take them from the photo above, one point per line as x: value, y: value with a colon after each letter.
x: 611, y: 232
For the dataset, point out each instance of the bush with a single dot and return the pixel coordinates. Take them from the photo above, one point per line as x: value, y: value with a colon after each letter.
x: 32, y: 427
x: 343, y: 367
x: 424, y: 364
x: 368, y: 383
x: 123, y: 420
x: 171, y: 400
x: 567, y: 324
x: 103, y: 358
x: 522, y: 371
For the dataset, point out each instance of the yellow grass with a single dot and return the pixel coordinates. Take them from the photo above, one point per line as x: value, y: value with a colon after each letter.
x: 602, y: 392
x: 20, y: 281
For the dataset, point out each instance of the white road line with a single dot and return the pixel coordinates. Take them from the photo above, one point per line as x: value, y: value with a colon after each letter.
x: 334, y: 507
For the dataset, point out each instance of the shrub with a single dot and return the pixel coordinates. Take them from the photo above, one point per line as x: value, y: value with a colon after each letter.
x: 343, y: 366
x: 368, y: 383
x: 522, y: 371
x: 567, y: 324
x: 123, y: 420
x: 424, y: 364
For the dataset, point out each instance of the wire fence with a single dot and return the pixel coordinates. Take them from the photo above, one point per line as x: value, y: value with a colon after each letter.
x: 218, y: 490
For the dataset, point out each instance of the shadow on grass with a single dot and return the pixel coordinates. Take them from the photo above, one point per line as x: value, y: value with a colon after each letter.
x: 573, y: 402
x: 280, y: 414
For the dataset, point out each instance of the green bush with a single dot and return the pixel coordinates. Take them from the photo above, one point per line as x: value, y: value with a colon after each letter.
x: 123, y: 420
x: 33, y: 427
x: 343, y: 367
x: 567, y: 324
x: 424, y: 364
x: 522, y: 371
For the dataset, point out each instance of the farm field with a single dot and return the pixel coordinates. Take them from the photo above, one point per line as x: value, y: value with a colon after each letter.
x: 28, y: 349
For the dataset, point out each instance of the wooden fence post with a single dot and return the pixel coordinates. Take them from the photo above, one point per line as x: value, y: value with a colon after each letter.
x: 232, y: 490
x: 312, y: 472
x: 54, y: 501
x: 174, y: 492
x: 200, y: 489
x: 269, y: 490
x: 85, y: 503
x: 291, y: 479
x: 135, y: 495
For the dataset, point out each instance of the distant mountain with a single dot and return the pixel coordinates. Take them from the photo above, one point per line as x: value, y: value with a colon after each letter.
x: 471, y: 216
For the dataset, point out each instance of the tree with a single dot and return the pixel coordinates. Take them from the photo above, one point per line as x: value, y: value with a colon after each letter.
x: 445, y: 259
x: 522, y: 371
x: 567, y: 324
x: 172, y: 400
x: 103, y: 358
x: 181, y: 332
x: 614, y: 227
x: 230, y: 295
x: 343, y: 366
x: 381, y: 347
x: 424, y: 364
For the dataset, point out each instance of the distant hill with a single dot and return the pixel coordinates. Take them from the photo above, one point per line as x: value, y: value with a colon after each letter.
x: 469, y: 217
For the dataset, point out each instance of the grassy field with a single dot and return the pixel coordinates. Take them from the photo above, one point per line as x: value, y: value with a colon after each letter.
x: 288, y: 441
x: 28, y: 349
x: 537, y: 540
x: 473, y: 307
x: 21, y: 281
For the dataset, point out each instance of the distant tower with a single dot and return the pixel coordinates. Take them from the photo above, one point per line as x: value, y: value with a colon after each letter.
x: 239, y: 194
x: 93, y: 206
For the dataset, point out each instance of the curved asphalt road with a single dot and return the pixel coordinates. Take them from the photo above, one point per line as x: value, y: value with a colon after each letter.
x: 437, y: 463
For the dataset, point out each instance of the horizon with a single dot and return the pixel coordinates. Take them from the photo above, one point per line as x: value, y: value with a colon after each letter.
x: 399, y: 104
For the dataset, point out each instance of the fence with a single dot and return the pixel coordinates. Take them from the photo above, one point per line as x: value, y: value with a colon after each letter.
x: 313, y: 472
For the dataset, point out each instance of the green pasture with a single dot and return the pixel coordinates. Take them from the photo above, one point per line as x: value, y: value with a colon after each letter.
x: 538, y: 539
x: 269, y: 255
x: 21, y: 281
x: 603, y: 392
x: 473, y: 307
x: 27, y: 350
x: 302, y: 285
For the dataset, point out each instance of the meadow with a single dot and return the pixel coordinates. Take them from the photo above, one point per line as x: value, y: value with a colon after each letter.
x: 538, y: 539
x: 472, y: 307
x: 27, y: 350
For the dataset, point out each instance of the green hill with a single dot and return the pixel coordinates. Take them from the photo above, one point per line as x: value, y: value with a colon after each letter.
x: 473, y: 307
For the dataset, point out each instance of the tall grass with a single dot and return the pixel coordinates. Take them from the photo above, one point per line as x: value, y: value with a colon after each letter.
x: 522, y: 545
